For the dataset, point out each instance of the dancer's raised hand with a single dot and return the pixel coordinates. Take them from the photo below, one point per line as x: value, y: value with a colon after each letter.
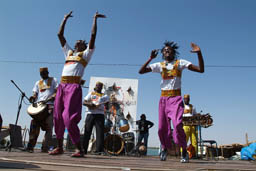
x: 97, y: 15
x: 153, y: 54
x: 195, y: 48
x: 68, y: 15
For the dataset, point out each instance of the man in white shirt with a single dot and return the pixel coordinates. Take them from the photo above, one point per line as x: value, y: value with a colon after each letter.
x: 96, y: 102
x: 68, y: 103
x: 44, y: 91
x: 190, y: 131
x: 171, y: 105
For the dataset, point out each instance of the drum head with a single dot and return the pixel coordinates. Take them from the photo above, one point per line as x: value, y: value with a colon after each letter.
x: 114, y: 144
x: 34, y: 110
x: 142, y: 149
x: 38, y: 112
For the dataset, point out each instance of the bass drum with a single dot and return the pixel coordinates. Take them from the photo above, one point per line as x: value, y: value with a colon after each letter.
x: 114, y: 144
x: 38, y: 111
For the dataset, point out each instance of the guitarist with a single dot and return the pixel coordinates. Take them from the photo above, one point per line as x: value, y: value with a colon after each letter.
x: 44, y: 91
x: 96, y: 102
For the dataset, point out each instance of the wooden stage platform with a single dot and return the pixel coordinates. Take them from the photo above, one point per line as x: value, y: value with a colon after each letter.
x: 17, y: 160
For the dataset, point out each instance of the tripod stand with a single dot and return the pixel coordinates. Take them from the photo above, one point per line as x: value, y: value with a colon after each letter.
x: 9, y: 147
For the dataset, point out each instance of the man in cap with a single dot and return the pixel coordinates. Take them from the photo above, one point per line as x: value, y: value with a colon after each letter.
x: 96, y: 102
x: 190, y: 131
x: 68, y: 103
x: 44, y: 91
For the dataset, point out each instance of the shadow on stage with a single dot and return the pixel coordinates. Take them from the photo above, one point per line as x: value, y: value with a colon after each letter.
x: 16, y: 165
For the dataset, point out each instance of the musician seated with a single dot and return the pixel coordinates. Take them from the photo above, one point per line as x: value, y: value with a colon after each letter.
x: 96, y: 102
x: 190, y: 131
x: 44, y: 91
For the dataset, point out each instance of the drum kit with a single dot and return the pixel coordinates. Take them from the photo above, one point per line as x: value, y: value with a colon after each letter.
x: 117, y: 138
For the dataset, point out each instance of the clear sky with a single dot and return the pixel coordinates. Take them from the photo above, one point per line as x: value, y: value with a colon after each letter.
x: 225, y: 31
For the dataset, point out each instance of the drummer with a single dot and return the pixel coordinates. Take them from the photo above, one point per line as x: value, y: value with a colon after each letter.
x: 190, y: 131
x: 44, y: 91
x: 96, y: 102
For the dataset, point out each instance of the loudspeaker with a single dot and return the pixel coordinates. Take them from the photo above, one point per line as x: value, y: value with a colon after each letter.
x: 15, y: 136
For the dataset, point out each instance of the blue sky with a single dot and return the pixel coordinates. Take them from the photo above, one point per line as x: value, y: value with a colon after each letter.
x: 225, y: 31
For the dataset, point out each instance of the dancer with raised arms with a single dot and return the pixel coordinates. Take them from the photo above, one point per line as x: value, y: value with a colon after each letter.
x: 68, y: 103
x: 171, y: 105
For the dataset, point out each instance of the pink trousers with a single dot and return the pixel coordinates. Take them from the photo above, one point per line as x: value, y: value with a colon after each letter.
x: 171, y: 108
x: 67, y: 111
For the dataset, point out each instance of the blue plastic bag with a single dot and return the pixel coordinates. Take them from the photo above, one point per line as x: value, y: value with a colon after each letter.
x: 248, y: 152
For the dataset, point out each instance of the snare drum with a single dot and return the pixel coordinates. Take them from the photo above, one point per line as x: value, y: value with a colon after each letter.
x: 38, y: 111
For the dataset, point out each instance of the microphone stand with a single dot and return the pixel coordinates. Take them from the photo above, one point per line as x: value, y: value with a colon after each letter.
x: 18, y: 112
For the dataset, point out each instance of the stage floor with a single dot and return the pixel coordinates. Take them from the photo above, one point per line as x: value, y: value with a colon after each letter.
x: 17, y: 160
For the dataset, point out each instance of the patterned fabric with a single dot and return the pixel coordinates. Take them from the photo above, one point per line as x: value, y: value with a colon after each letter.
x: 97, y: 94
x: 42, y: 86
x: 170, y: 74
x: 71, y: 79
x: 189, y: 110
x: 45, y: 89
x: 75, y: 65
x: 169, y: 93
x: 79, y: 58
x: 98, y: 99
